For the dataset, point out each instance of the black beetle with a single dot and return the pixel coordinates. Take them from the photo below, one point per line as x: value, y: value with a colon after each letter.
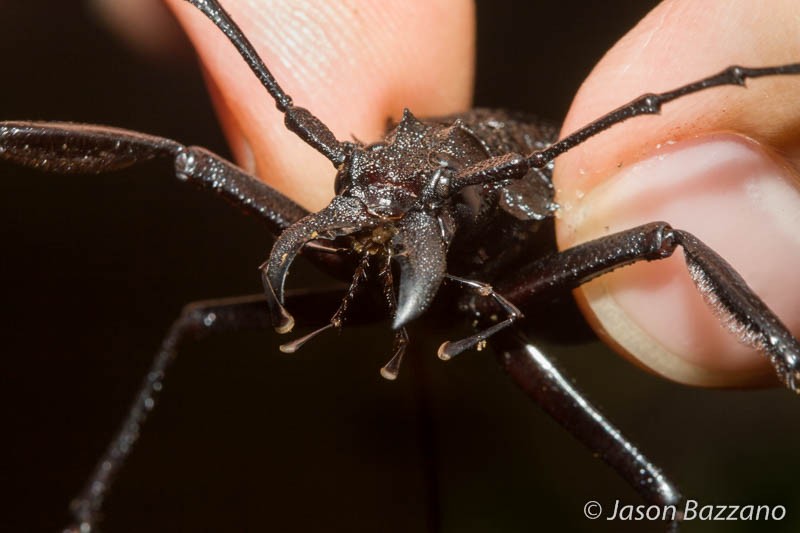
x: 98, y: 394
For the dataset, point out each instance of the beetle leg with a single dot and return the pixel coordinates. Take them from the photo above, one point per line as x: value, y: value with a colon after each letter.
x: 68, y: 148
x: 450, y: 349
x: 196, y: 321
x: 536, y: 375
x: 739, y: 308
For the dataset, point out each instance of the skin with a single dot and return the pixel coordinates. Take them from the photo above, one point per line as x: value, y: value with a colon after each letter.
x: 721, y: 164
x: 741, y: 197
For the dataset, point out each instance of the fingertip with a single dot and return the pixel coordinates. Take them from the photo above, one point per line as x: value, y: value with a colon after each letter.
x: 679, y: 42
x: 739, y: 200
x: 352, y: 66
x: 731, y: 191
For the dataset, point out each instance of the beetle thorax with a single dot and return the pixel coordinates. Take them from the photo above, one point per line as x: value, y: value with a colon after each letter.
x: 410, y: 170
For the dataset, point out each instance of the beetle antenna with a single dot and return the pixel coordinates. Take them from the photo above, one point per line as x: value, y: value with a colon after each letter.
x: 650, y: 104
x: 297, y: 119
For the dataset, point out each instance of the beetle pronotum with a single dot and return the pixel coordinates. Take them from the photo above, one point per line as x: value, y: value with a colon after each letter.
x: 316, y: 356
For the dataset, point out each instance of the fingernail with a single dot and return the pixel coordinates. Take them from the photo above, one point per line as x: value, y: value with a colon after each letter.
x: 737, y: 198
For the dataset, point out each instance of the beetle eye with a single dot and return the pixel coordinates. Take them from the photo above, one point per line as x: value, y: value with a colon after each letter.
x: 443, y: 160
x: 375, y: 147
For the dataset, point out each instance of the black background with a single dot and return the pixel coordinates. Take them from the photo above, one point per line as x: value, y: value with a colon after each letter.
x: 94, y: 269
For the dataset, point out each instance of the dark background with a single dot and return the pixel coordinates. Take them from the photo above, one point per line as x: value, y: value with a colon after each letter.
x: 95, y: 268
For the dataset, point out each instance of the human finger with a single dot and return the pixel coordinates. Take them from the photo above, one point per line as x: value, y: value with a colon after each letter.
x: 722, y: 164
x: 353, y: 65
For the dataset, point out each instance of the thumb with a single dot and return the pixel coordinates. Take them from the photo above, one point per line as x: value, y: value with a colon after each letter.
x: 352, y: 65
x: 722, y: 164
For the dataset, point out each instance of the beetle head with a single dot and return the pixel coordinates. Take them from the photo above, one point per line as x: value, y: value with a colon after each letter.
x: 392, y: 201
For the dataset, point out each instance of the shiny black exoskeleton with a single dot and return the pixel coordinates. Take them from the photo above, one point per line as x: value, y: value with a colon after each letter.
x: 460, y: 198
x: 412, y: 196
